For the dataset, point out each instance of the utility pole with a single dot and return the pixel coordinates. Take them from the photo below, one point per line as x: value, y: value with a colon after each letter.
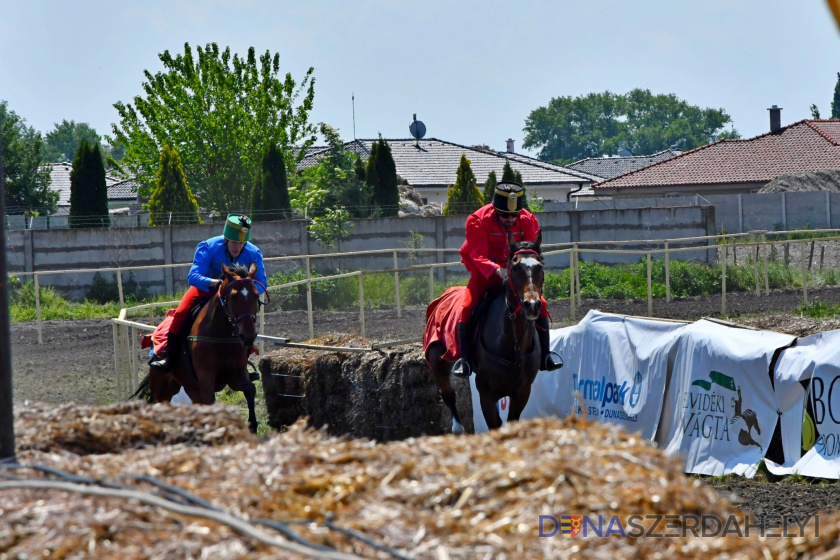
x: 7, y: 428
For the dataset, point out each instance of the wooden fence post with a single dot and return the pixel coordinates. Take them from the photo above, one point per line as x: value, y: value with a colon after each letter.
x: 397, y: 284
x: 309, y: 300
x: 577, y: 277
x: 572, y: 284
x: 804, y: 266
x: 667, y: 273
x: 431, y: 284
x: 362, y: 303
x: 649, y: 290
x: 120, y: 288
x: 38, y: 309
x: 766, y: 264
x: 755, y: 272
x: 723, y: 283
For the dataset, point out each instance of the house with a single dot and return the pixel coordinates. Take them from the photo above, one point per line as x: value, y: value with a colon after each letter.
x: 609, y: 167
x: 735, y: 166
x: 430, y: 166
x: 118, y: 197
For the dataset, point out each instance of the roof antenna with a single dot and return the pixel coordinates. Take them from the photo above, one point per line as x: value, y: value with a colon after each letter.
x: 353, y: 99
x: 418, y: 130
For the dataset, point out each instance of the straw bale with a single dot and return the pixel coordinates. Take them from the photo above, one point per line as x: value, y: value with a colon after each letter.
x: 127, y: 425
x: 383, y: 395
x: 477, y: 496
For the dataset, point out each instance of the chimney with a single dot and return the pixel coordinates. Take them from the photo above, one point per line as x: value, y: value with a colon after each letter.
x: 775, y: 118
x: 510, y: 149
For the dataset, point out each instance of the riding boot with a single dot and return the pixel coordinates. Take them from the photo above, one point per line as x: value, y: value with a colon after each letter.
x: 461, y: 368
x: 549, y: 361
x: 165, y: 360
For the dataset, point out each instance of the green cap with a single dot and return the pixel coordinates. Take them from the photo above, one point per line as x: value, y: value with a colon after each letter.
x: 238, y: 227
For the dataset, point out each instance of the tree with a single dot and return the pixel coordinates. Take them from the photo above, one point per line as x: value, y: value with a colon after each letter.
x: 463, y: 197
x: 220, y: 112
x: 381, y: 177
x: 815, y: 111
x: 569, y: 129
x: 490, y: 187
x: 64, y: 141
x: 270, y: 197
x: 27, y: 179
x: 88, y: 193
x: 835, y: 102
x: 172, y: 202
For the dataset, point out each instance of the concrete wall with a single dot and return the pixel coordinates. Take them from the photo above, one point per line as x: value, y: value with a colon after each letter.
x: 44, y: 250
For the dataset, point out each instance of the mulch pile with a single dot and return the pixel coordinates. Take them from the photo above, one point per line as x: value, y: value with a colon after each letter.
x: 477, y: 496
x: 789, y: 324
x: 384, y: 395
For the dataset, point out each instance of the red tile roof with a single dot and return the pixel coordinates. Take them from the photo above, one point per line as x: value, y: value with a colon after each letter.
x: 808, y: 145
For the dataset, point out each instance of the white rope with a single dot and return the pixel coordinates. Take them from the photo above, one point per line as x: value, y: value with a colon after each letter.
x: 238, y: 525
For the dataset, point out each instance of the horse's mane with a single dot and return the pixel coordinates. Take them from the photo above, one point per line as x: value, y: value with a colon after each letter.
x: 238, y: 269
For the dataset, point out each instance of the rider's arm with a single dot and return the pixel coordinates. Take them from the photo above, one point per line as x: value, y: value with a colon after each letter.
x: 478, y: 243
x: 260, y: 276
x: 201, y: 266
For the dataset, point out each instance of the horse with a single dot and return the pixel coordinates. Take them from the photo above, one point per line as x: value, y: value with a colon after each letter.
x: 506, y: 358
x: 216, y: 351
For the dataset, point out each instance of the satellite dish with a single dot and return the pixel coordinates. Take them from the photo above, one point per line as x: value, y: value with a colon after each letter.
x: 417, y: 128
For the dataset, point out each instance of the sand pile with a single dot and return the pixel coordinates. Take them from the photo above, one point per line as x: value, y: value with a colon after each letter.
x: 435, y: 497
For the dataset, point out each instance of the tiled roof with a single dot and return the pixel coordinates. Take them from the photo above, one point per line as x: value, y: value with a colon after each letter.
x: 315, y: 153
x: 60, y: 181
x: 124, y: 190
x: 609, y: 167
x: 807, y: 145
x: 434, y: 163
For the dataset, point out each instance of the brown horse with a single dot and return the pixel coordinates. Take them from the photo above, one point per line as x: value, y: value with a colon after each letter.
x: 506, y: 358
x: 219, y: 341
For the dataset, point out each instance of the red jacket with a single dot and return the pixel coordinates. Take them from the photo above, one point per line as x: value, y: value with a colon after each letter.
x: 486, y: 248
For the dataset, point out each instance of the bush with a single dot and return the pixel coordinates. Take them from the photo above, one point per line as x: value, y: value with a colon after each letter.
x: 104, y: 291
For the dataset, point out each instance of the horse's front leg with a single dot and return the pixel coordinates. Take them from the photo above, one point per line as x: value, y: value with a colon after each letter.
x: 518, y: 401
x: 440, y: 371
x: 244, y: 384
x: 489, y: 410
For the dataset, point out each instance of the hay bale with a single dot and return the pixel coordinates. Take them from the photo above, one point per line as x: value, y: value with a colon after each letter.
x: 377, y: 395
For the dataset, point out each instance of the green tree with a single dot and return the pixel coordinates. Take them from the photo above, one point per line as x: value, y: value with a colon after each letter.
x: 88, y: 193
x: 331, y: 227
x: 594, y: 125
x: 815, y: 111
x: 490, y: 187
x: 27, y: 179
x: 463, y: 197
x: 64, y: 140
x: 172, y: 202
x: 835, y: 102
x: 381, y: 177
x: 270, y: 197
x: 221, y: 112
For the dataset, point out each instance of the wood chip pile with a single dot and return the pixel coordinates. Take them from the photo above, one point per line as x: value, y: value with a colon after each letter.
x: 385, y: 395
x: 789, y: 324
x: 437, y: 497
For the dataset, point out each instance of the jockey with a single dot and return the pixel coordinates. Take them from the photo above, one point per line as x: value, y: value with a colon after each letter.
x: 230, y: 248
x: 485, y: 254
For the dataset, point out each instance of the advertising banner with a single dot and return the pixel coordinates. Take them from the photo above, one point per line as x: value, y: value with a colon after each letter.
x: 721, y: 407
x: 807, y: 384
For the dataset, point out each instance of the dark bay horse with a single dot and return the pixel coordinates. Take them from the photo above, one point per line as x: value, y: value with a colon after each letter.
x: 506, y: 357
x: 217, y: 348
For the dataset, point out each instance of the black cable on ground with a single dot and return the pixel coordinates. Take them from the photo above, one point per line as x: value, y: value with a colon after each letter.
x: 366, y: 540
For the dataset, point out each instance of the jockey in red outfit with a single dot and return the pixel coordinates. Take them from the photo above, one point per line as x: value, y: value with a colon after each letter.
x: 230, y: 248
x: 485, y: 254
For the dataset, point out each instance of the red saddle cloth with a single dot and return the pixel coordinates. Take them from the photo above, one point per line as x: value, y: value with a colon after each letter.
x: 159, y: 338
x: 442, y: 319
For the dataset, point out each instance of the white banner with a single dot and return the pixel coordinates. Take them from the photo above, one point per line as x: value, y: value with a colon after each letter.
x: 810, y: 370
x: 721, y: 408
x: 617, y: 364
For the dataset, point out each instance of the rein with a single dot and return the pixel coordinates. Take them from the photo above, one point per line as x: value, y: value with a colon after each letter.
x: 515, y: 312
x: 234, y: 321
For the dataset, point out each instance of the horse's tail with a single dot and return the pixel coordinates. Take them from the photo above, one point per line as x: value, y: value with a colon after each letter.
x: 143, y: 392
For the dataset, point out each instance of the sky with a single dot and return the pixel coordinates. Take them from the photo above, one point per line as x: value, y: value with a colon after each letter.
x: 471, y: 70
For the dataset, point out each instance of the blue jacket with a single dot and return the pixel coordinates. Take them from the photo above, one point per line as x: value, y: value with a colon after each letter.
x: 209, y: 256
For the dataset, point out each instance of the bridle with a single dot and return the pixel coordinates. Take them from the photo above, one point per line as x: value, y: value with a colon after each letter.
x: 512, y: 314
x: 234, y: 320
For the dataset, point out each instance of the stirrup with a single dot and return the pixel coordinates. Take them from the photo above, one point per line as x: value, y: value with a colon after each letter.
x: 553, y: 361
x: 461, y: 368
x: 159, y: 362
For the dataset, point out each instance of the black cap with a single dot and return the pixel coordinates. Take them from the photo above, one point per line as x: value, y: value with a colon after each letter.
x: 508, y: 197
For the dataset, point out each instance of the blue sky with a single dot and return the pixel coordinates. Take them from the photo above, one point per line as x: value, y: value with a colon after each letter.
x: 471, y: 70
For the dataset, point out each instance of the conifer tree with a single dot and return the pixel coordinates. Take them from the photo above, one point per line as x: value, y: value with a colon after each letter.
x: 270, y: 197
x: 835, y: 102
x: 172, y: 202
x: 508, y: 174
x: 463, y: 197
x: 381, y: 177
x: 88, y: 193
x: 490, y: 187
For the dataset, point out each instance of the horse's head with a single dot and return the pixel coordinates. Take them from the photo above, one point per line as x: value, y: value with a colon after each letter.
x: 526, y: 275
x: 241, y: 301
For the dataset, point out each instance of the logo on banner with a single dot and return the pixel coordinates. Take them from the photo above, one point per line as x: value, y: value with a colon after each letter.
x: 606, y: 393
x: 570, y: 525
x: 706, y: 415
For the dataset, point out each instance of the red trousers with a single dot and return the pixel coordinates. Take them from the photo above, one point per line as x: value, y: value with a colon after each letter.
x: 476, y: 288
x: 193, y: 297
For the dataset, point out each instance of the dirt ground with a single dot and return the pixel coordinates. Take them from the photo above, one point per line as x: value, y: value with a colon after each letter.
x: 75, y: 364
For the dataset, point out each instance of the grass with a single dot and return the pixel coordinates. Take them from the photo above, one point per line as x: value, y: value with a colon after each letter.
x: 226, y: 396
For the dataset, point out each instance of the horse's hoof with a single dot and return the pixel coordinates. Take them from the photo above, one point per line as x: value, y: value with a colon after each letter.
x: 457, y: 428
